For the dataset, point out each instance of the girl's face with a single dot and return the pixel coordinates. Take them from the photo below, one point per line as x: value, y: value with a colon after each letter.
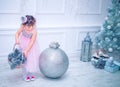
x: 28, y: 28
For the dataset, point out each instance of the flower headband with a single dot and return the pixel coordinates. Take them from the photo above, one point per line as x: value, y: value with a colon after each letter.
x: 24, y: 19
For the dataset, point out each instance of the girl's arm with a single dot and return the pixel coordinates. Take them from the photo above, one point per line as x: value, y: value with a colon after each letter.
x: 18, y: 33
x: 32, y: 41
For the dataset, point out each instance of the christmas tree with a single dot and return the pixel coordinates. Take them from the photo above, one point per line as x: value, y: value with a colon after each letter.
x: 108, y: 38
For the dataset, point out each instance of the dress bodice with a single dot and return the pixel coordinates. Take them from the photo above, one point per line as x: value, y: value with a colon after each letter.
x: 24, y: 33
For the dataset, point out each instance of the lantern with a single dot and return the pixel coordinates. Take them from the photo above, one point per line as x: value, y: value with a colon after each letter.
x: 86, y: 50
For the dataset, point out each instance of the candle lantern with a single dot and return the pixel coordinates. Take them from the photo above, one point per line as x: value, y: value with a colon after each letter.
x: 86, y: 50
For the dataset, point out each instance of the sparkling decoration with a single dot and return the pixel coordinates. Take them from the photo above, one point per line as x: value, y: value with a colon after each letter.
x: 102, y: 28
x: 118, y: 48
x: 110, y: 44
x: 118, y: 24
x: 114, y: 39
x: 119, y: 12
x: 108, y: 27
x: 110, y: 50
x: 106, y: 18
x: 53, y: 61
x: 101, y: 42
x: 107, y: 39
x: 98, y: 44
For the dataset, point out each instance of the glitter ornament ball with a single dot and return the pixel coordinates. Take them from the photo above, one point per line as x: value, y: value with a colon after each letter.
x: 115, y: 39
x: 110, y: 50
x: 106, y: 18
x: 53, y: 62
x: 109, y: 27
x: 118, y: 24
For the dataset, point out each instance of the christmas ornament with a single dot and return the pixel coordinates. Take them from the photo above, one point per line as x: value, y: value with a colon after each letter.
x: 102, y: 28
x: 110, y: 45
x: 108, y: 27
x: 118, y: 48
x: 107, y: 39
x: 118, y: 24
x: 53, y: 62
x: 110, y: 50
x: 119, y: 12
x: 115, y: 46
x: 106, y: 18
x: 115, y: 39
x: 98, y: 44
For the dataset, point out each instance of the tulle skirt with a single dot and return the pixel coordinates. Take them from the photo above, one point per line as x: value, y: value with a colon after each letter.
x: 32, y: 63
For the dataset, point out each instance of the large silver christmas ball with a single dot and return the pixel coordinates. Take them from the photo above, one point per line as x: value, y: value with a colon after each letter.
x: 53, y: 62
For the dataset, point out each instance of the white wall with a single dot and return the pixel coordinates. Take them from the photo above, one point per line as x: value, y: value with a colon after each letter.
x: 64, y: 21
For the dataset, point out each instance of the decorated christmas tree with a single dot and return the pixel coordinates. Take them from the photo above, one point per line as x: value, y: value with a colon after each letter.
x: 108, y: 38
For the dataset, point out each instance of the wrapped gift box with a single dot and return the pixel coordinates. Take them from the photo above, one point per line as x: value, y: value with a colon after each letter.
x: 112, y: 68
x: 117, y: 63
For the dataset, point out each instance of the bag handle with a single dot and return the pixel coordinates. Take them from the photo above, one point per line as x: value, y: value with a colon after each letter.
x: 16, y: 46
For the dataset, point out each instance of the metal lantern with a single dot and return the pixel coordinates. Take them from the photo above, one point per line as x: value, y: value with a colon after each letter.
x: 86, y: 50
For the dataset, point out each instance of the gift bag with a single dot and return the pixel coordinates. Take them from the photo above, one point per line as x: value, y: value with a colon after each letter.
x: 16, y: 59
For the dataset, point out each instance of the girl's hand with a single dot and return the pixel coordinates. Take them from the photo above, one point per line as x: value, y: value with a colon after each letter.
x: 17, y: 46
x: 25, y: 53
x: 17, y: 43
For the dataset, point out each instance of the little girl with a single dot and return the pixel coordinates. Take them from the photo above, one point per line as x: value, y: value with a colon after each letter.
x: 26, y: 38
